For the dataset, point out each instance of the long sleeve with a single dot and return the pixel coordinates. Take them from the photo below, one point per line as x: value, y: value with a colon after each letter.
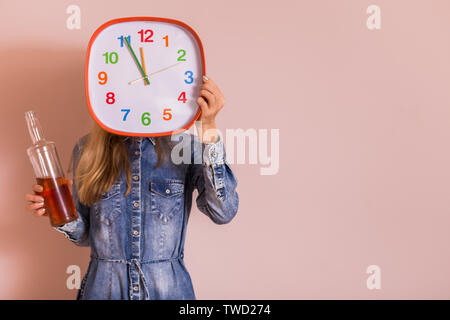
x: 77, y: 231
x: 215, y: 182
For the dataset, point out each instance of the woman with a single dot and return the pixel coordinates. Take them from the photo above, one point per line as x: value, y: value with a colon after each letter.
x: 133, y: 205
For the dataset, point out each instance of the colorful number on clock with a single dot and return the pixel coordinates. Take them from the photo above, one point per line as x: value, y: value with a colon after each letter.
x: 111, y: 57
x: 121, y: 40
x: 145, y: 118
x: 182, y: 97
x: 127, y: 111
x: 103, y: 77
x: 181, y: 57
x: 110, y: 98
x: 147, y: 39
x: 166, y: 113
x: 190, y: 78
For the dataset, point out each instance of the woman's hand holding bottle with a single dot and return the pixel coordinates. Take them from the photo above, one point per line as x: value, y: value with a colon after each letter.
x: 36, y: 202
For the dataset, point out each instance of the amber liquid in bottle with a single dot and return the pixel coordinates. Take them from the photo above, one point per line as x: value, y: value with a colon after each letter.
x: 58, y: 200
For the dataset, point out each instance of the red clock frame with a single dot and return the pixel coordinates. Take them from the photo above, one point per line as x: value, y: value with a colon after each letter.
x: 158, y: 19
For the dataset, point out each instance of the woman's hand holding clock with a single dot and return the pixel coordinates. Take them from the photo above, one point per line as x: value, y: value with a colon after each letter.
x: 211, y: 101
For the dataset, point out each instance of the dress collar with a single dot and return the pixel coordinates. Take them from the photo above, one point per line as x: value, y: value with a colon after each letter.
x: 152, y: 139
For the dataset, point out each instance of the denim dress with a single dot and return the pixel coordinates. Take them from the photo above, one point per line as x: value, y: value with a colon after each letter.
x: 137, y: 241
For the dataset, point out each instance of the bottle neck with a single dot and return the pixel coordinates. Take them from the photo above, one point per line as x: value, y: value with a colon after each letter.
x: 34, y: 127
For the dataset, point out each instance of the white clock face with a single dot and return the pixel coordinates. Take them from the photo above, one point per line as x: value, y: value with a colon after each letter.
x: 143, y: 76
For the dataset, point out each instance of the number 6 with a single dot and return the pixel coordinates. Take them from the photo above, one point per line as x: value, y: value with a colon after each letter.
x: 146, y: 119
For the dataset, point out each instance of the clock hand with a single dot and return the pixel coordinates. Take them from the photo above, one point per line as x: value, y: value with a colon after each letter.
x: 143, y: 63
x: 135, y: 59
x: 153, y: 73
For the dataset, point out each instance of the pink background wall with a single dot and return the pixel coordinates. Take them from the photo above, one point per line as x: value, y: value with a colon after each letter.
x: 364, y: 119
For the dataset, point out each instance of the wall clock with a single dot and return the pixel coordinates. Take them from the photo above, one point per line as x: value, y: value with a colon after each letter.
x: 143, y: 76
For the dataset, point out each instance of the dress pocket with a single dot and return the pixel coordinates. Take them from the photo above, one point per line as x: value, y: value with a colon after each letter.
x: 108, y: 208
x: 167, y: 199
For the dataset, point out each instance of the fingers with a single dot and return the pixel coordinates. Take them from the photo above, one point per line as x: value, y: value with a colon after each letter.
x: 35, y: 201
x: 211, y: 87
x: 37, y: 208
x: 208, y: 87
x: 209, y: 96
x: 203, y: 104
x: 209, y: 82
x: 69, y: 183
x: 35, y: 205
x: 33, y: 198
x: 40, y: 212
x: 38, y: 188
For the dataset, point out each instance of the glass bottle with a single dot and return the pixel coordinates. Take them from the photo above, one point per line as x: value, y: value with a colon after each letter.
x: 58, y: 202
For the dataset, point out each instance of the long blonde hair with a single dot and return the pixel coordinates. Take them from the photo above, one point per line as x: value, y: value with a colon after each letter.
x: 101, y: 161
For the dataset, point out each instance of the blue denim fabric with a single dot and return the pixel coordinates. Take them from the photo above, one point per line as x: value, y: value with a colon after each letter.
x: 137, y: 241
